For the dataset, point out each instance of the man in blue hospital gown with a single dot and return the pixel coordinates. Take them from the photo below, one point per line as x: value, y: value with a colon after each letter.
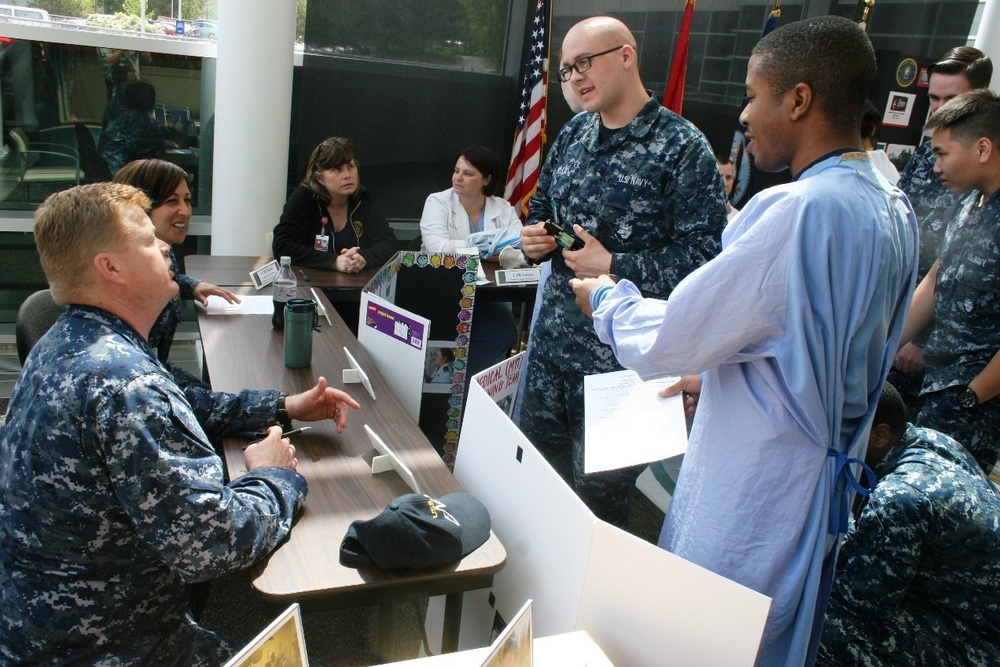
x: 793, y: 326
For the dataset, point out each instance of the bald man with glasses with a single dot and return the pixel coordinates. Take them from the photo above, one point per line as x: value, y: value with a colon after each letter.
x: 638, y: 185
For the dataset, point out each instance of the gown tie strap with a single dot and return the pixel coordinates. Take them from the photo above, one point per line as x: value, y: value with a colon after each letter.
x: 844, y: 481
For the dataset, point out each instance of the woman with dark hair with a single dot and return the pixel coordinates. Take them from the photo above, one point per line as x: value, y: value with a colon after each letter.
x: 330, y: 222
x: 166, y: 185
x: 470, y: 205
x: 450, y: 218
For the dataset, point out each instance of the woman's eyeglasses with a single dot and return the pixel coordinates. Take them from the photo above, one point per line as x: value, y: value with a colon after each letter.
x: 582, y: 64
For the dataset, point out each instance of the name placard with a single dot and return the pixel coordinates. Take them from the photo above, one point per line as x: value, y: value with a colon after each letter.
x: 518, y: 276
x: 265, y: 275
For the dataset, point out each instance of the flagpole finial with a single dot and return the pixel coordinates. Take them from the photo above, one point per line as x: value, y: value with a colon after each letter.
x: 864, y: 7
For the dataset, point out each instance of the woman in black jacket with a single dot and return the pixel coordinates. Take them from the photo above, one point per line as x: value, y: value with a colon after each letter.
x: 330, y: 222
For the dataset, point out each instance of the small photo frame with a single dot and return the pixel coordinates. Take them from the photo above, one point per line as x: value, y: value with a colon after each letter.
x: 898, y: 109
x: 281, y: 643
x: 513, y: 646
x: 265, y: 275
x: 439, y: 366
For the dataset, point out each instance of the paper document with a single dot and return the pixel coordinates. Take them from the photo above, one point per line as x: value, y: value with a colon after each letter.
x: 249, y: 305
x: 627, y: 423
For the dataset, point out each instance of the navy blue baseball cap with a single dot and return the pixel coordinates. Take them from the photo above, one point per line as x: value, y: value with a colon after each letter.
x: 417, y: 531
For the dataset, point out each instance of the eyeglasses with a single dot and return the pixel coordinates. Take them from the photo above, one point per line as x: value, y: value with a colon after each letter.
x: 335, y: 141
x: 582, y: 64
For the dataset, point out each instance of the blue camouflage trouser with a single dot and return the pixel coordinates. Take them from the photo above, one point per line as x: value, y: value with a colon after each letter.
x: 978, y: 429
x: 552, y: 419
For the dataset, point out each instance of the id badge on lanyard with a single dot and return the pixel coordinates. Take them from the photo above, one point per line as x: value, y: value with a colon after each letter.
x: 322, y: 241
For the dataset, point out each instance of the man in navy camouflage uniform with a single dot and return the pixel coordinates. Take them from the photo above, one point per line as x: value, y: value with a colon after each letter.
x: 918, y: 576
x: 112, y: 500
x: 639, y: 186
x: 960, y: 70
x: 961, y: 292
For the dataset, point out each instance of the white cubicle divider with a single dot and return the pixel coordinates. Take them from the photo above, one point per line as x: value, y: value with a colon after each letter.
x: 395, y: 339
x: 642, y: 605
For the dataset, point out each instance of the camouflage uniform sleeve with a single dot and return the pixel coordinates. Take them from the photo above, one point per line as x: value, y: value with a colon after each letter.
x: 695, y: 206
x: 187, y: 284
x: 170, y: 485
x: 540, y: 206
x: 879, y: 559
x: 222, y: 414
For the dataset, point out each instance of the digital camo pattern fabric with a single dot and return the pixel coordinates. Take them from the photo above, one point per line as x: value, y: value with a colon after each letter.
x: 918, y: 579
x: 965, y: 335
x: 112, y: 502
x: 162, y: 334
x: 933, y: 204
x: 651, y: 193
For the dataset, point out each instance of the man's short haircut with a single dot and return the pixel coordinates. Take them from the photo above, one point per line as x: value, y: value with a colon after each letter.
x: 72, y: 226
x: 891, y: 411
x: 722, y: 157
x: 968, y: 60
x: 871, y: 120
x: 831, y: 54
x: 970, y: 116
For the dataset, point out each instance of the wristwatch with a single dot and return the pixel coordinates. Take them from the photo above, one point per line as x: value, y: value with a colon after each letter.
x: 281, y: 417
x: 967, y: 398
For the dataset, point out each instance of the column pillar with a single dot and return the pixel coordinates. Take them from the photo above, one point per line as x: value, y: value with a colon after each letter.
x: 253, y: 106
x: 988, y: 37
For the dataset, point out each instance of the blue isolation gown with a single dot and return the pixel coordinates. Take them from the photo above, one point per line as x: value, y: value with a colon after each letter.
x: 793, y: 327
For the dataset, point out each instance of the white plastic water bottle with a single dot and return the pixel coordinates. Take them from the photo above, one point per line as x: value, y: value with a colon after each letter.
x: 284, y: 288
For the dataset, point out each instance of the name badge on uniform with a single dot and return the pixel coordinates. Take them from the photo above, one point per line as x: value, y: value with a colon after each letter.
x: 322, y: 242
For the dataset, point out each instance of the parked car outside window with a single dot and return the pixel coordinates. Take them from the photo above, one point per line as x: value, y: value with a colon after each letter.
x: 205, y: 28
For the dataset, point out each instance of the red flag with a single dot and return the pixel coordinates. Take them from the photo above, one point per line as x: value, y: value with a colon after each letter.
x: 673, y: 98
x: 526, y: 156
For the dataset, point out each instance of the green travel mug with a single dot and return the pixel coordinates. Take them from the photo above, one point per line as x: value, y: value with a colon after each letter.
x: 301, y: 319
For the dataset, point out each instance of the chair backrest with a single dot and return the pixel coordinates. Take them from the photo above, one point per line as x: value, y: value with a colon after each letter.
x: 35, y: 316
x: 268, y: 242
x: 95, y: 169
x: 19, y: 139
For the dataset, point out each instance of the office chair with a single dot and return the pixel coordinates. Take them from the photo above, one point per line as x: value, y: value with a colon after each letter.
x: 35, y: 316
x: 38, y: 162
x: 95, y: 169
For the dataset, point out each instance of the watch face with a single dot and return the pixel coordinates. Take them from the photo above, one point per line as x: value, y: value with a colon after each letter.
x: 967, y: 399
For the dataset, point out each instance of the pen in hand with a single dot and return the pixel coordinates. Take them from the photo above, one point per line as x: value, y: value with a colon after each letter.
x: 284, y: 434
x: 304, y: 276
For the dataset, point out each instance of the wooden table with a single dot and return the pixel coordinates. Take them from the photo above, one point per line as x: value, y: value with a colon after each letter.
x: 231, y: 271
x: 243, y: 351
x: 234, y: 271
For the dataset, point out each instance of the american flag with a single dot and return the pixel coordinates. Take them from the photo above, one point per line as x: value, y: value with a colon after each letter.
x: 526, y: 155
